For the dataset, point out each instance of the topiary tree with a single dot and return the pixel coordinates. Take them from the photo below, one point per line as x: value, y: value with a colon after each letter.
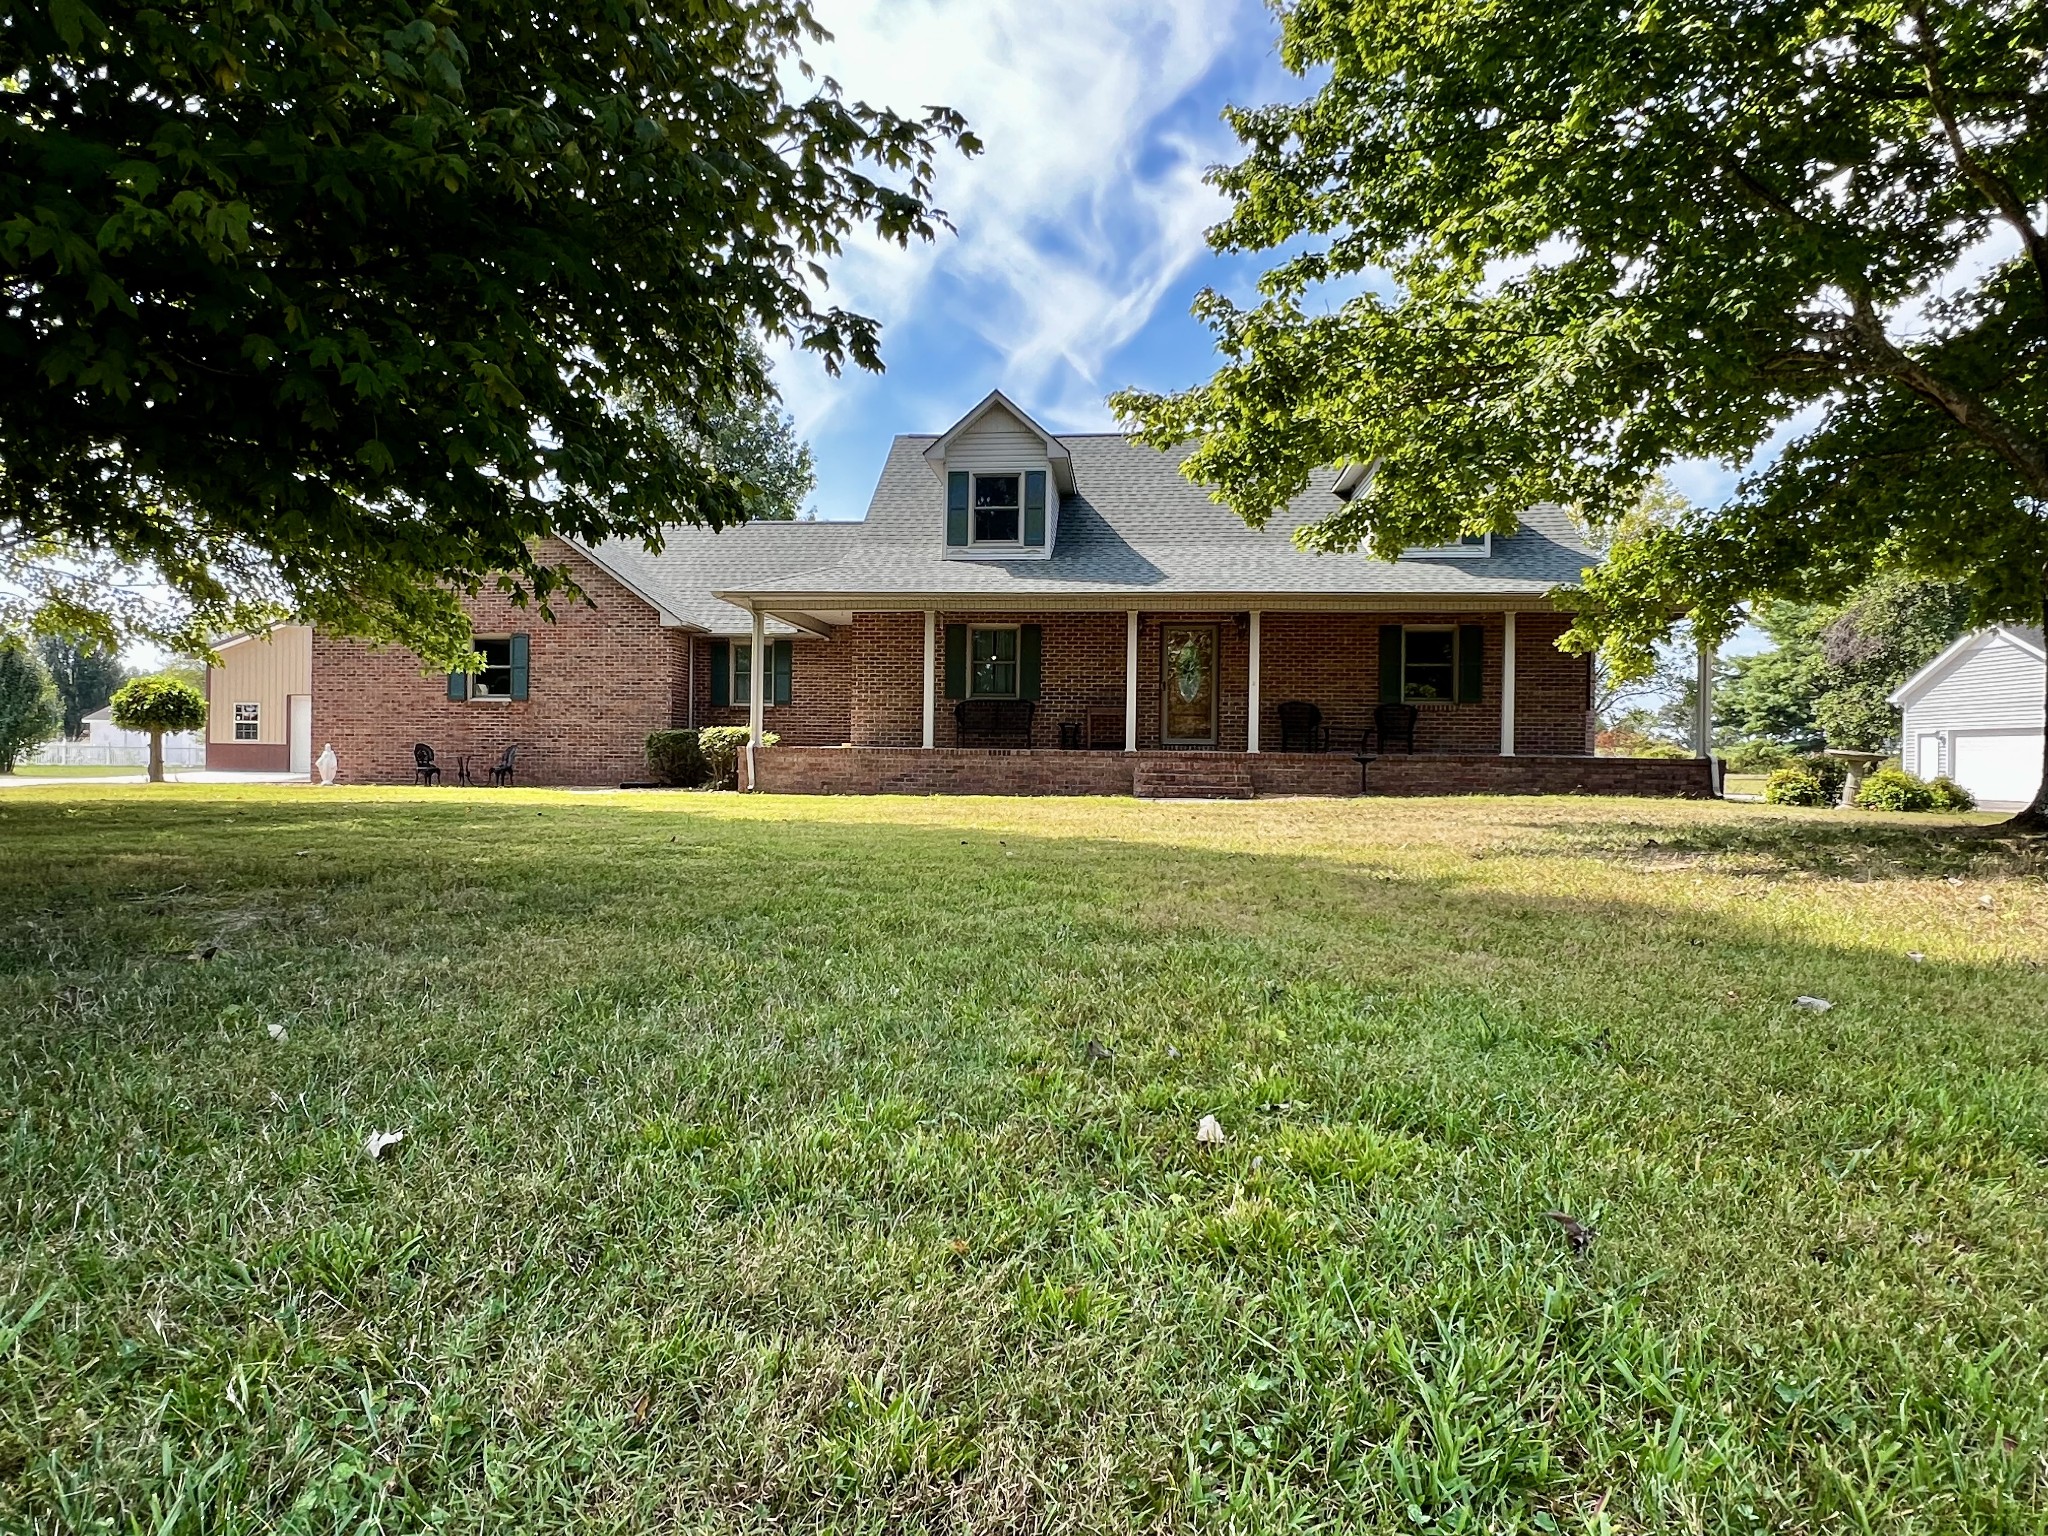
x: 28, y: 704
x: 158, y: 704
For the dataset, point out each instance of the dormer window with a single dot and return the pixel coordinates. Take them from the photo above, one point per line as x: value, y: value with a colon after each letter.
x: 1469, y: 546
x: 996, y: 512
x: 998, y: 509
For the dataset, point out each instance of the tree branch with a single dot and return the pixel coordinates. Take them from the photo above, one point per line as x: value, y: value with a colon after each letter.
x: 1996, y: 189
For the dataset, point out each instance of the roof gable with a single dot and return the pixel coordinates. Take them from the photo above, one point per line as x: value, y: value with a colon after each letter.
x: 1057, y: 456
x: 1929, y: 677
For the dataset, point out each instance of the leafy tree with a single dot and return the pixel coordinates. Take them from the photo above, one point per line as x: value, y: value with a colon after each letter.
x: 1593, y: 240
x: 754, y: 444
x: 1771, y: 695
x: 349, y: 294
x: 156, y: 705
x: 85, y: 678
x: 28, y: 704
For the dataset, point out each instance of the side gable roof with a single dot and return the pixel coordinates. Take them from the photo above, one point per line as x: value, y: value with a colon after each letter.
x: 694, y: 562
x: 1916, y: 687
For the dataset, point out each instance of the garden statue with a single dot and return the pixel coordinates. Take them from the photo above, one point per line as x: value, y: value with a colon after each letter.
x: 328, y: 764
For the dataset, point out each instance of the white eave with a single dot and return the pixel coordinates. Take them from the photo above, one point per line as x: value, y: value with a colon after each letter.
x: 1917, y: 685
x: 1061, y: 461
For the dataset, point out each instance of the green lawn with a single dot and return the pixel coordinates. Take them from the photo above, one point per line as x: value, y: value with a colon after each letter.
x: 79, y: 770
x: 788, y: 1164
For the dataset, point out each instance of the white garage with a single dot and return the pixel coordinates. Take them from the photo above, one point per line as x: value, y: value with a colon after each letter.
x: 1975, y: 714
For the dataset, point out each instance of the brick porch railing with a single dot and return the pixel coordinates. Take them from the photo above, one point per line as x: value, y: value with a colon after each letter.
x: 972, y: 771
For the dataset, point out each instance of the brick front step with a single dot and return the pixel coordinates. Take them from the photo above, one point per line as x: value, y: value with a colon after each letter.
x: 1153, y: 779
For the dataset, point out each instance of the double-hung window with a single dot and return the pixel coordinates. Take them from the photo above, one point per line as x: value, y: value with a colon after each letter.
x: 998, y: 509
x: 1429, y: 665
x: 993, y: 672
x: 248, y: 722
x: 743, y: 676
x: 494, y: 679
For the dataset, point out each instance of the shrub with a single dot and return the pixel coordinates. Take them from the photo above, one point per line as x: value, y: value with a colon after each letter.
x: 1832, y: 772
x: 1760, y: 757
x: 676, y: 758
x: 158, y: 704
x: 1661, y: 749
x: 1948, y: 795
x: 1894, y: 789
x: 721, y: 745
x: 1796, y: 786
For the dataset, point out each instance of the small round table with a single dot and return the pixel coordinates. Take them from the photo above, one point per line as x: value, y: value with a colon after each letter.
x: 1859, y: 764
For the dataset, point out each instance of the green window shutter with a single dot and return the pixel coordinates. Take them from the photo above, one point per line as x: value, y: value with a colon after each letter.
x: 458, y: 686
x: 1029, y: 639
x: 781, y: 656
x: 956, y: 507
x: 521, y: 654
x: 1390, y: 663
x: 721, y: 673
x: 956, y: 661
x: 1034, y: 509
x: 1471, y: 663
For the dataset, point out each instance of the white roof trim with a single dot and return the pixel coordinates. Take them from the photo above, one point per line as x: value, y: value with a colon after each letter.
x: 1913, y: 688
x: 1353, y: 480
x: 1055, y: 451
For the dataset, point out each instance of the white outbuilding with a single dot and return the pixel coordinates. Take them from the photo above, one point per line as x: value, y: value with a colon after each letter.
x: 1975, y: 714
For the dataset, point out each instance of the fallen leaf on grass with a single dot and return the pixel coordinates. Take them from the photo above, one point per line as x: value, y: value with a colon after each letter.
x: 1096, y: 1051
x: 1916, y: 956
x: 1210, y: 1132
x: 377, y: 1143
x: 1812, y: 1004
x: 279, y: 1033
x: 204, y: 952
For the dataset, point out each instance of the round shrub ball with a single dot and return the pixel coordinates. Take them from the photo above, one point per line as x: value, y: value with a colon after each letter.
x: 1796, y: 786
x: 1894, y: 789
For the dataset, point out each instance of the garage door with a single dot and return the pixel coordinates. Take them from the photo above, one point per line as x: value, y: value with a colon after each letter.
x: 1998, y: 765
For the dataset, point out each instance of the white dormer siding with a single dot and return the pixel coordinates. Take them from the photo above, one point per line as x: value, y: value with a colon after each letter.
x: 994, y: 459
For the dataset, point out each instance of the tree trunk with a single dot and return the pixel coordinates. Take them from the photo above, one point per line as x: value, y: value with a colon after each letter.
x: 156, y: 757
x: 2035, y: 817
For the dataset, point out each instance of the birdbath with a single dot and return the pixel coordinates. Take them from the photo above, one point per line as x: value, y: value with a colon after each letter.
x: 1859, y: 763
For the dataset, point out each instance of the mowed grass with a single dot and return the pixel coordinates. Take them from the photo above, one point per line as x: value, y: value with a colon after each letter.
x: 785, y: 1164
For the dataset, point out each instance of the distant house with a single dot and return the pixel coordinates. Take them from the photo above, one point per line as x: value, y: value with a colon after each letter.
x: 1019, y: 612
x: 100, y: 731
x: 1975, y: 714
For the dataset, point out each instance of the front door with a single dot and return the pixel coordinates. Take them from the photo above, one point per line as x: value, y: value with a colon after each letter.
x: 1188, y: 668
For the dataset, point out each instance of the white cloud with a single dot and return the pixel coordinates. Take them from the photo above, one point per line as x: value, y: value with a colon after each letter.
x: 1086, y: 205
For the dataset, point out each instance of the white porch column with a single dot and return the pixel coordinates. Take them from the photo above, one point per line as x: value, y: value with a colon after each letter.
x: 1703, y: 705
x: 1507, y: 686
x: 931, y: 646
x: 755, y: 669
x: 1131, y: 681
x: 1251, y: 693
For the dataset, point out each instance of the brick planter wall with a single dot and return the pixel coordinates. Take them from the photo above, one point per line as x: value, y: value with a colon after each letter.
x: 601, y: 678
x: 1668, y: 778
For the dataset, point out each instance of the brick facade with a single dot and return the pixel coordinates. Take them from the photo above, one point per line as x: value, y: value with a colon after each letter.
x: 603, y: 675
x: 1687, y: 778
x: 600, y: 678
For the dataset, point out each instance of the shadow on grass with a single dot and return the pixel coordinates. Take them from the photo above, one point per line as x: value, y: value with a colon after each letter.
x: 845, y: 1170
x: 1846, y: 845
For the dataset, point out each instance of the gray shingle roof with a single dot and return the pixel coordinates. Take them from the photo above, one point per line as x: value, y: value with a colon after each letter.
x: 1134, y: 526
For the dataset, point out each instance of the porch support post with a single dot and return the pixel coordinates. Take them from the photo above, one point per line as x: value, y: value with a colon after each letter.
x: 755, y: 671
x: 1251, y: 692
x: 1703, y: 705
x: 690, y: 683
x: 931, y: 644
x: 1131, y: 681
x: 1507, y: 685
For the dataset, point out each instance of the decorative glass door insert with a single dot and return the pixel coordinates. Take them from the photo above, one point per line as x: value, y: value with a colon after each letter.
x: 1188, y: 716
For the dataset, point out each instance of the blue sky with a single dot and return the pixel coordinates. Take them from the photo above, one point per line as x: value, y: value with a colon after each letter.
x: 1080, y: 229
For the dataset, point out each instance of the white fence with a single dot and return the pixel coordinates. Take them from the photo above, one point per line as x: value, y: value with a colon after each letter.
x: 65, y: 754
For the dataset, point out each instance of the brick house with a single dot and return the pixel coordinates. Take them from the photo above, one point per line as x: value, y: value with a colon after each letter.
x: 1025, y: 613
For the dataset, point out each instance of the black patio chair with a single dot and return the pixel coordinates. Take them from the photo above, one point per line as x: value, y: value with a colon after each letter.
x: 424, y: 769
x: 1391, y: 724
x: 501, y: 770
x: 1302, y: 728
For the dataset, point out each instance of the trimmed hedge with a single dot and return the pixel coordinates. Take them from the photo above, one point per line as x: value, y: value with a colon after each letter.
x: 722, y: 745
x: 1950, y: 796
x: 676, y: 758
x: 1796, y: 786
x: 1893, y: 789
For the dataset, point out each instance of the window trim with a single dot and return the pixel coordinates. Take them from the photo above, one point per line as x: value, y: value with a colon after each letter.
x: 1429, y: 629
x: 473, y: 696
x: 254, y: 722
x: 738, y: 686
x: 974, y: 480
x: 1016, y: 662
